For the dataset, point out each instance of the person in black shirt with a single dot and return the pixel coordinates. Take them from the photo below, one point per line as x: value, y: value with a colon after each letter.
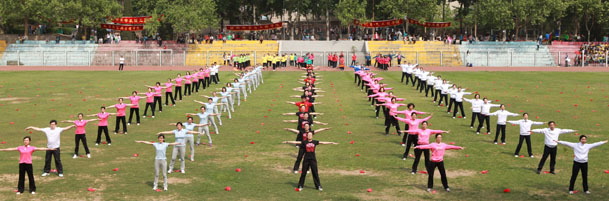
x: 310, y: 161
x: 304, y: 118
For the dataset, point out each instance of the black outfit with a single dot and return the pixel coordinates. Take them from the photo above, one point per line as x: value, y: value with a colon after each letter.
x: 522, y: 138
x: 159, y: 102
x: 99, y: 132
x: 432, y: 169
x: 577, y: 166
x: 309, y: 162
x: 500, y: 128
x: 137, y: 114
x: 458, y: 106
x: 481, y: 119
x: 151, y: 105
x: 83, y: 138
x: 118, y: 120
x: 548, y: 151
x: 412, y: 140
x: 168, y: 95
x: 450, y: 104
x: 47, y: 161
x: 417, y: 157
x: 178, y: 90
x: 26, y: 168
x: 187, y: 89
x: 474, y: 115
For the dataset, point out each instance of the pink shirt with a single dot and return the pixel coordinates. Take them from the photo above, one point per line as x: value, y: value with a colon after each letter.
x: 437, y: 150
x: 179, y: 81
x: 195, y: 77
x: 187, y: 78
x: 25, y: 154
x: 413, y: 124
x: 169, y: 86
x: 157, y: 90
x: 103, y: 118
x: 120, y: 109
x: 206, y: 72
x: 393, y: 107
x: 408, y: 113
x: 424, y: 134
x: 135, y: 101
x: 80, y: 127
x: 149, y: 97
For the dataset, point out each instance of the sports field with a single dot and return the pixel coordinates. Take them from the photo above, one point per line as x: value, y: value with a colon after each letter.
x: 251, y: 140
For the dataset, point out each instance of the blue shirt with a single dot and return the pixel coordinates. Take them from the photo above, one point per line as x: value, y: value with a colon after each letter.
x: 203, y: 117
x: 189, y: 127
x: 180, y: 137
x: 358, y: 68
x: 161, y: 148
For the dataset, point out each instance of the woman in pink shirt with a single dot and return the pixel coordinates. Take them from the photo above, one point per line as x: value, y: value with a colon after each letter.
x: 120, y: 115
x: 195, y: 81
x: 149, y: 102
x: 423, y: 139
x: 437, y: 160
x: 102, y: 125
x: 80, y: 134
x: 25, y: 164
x: 135, y: 107
x: 168, y: 93
x: 158, y: 94
x: 187, y: 84
x: 412, y: 123
x: 408, y: 113
x: 390, y: 120
x: 178, y: 90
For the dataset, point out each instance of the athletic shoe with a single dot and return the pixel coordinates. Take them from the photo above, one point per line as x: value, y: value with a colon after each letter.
x: 154, y: 188
x: 588, y: 192
x: 477, y: 133
x: 182, y: 171
x: 45, y: 174
x: 165, y: 189
x: 538, y: 171
x: 403, y: 145
x: 18, y: 193
x: 453, y: 117
x: 308, y: 171
x: 125, y: 133
x: 295, y: 171
x: 488, y: 133
x: 109, y: 144
x: 169, y: 171
x: 144, y: 116
x: 138, y: 124
x: 128, y: 124
x: 516, y: 156
x: 570, y: 192
x: 96, y: 144
x: 464, y: 117
x: 553, y: 173
x: 471, y: 127
x: 60, y: 175
x: 33, y: 193
x: 299, y: 189
x: 153, y: 117
x: 88, y: 155
x: 495, y: 142
x: 75, y: 156
x: 532, y: 156
x: 114, y: 133
x: 192, y: 159
x: 210, y: 144
x: 412, y: 172
x: 429, y: 190
x: 404, y: 159
x: 503, y: 143
x: 320, y: 189
x: 447, y: 189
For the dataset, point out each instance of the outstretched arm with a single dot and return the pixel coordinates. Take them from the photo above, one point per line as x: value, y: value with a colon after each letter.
x: 291, y: 142
x: 321, y: 129
x: 286, y: 114
x: 45, y: 149
x: 290, y: 121
x: 9, y: 149
x: 564, y: 131
x: 165, y: 132
x: 33, y: 128
x: 453, y: 147
x: 327, y: 142
x: 202, y: 103
x: 317, y: 122
x: 143, y: 142
x: 291, y: 130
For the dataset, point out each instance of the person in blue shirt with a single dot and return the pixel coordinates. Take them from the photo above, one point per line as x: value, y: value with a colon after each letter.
x: 160, y: 160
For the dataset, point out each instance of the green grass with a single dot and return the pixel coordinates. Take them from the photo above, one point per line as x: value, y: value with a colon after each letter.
x: 265, y: 175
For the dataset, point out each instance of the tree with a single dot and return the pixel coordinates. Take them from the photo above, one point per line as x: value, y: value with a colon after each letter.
x: 89, y: 13
x: 588, y: 12
x: 181, y: 15
x: 349, y: 10
x: 27, y: 10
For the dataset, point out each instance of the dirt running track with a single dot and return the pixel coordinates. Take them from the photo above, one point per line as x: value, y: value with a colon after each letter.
x: 229, y: 68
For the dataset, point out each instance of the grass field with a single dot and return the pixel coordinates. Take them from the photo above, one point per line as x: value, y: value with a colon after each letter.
x: 33, y: 98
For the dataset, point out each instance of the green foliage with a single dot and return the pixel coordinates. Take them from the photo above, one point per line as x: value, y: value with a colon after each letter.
x: 182, y: 15
x: 349, y: 10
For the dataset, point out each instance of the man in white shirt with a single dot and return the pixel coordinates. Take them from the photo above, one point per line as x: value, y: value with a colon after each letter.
x: 502, y: 115
x: 459, y: 102
x: 580, y: 161
x: 437, y: 85
x: 121, y: 63
x: 53, y: 141
x: 551, y: 136
x: 485, y: 111
x: 525, y: 127
x: 476, y: 108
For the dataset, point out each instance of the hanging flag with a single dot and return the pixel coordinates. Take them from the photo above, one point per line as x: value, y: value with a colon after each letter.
x: 277, y: 25
x: 384, y: 23
x: 122, y: 27
x: 429, y: 24
x: 131, y: 20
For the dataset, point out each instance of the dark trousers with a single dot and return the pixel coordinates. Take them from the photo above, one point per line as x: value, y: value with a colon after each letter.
x: 178, y: 92
x: 458, y: 106
x: 500, y: 129
x: 432, y: 169
x: 443, y: 96
x: 412, y: 140
x: 391, y: 121
x: 187, y: 90
x: 450, y: 104
x: 168, y: 95
x: 99, y: 132
x: 118, y: 120
x: 120, y: 67
x: 406, y: 127
x: 158, y: 101
x: 548, y: 151
x: 83, y: 138
x: 26, y: 168
x: 417, y: 158
x: 151, y: 105
x: 301, y: 152
x: 404, y: 75
x: 436, y: 95
x: 137, y: 114
x: 427, y: 89
x: 47, y: 161
x: 576, y: 168
x: 523, y: 138
x: 409, y: 76
x: 195, y: 86
x: 474, y: 115
x: 481, y: 119
x: 309, y: 163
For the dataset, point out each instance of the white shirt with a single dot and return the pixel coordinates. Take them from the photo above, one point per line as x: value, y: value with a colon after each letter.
x: 431, y: 79
x: 476, y: 105
x: 122, y: 60
x: 551, y: 135
x: 502, y: 116
x: 452, y: 92
x: 581, y: 150
x: 438, y: 84
x: 405, y: 68
x: 525, y: 125
x: 445, y: 88
x: 53, y: 136
x: 486, y: 108
x: 459, y: 96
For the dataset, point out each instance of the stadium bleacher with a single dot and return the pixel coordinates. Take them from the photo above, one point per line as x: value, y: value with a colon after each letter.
x: 506, y: 54
x: 429, y: 53
x: 207, y: 54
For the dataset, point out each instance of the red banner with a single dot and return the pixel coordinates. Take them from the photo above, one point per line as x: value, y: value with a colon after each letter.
x: 429, y: 24
x: 131, y: 20
x: 122, y: 27
x: 277, y: 25
x: 384, y: 23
